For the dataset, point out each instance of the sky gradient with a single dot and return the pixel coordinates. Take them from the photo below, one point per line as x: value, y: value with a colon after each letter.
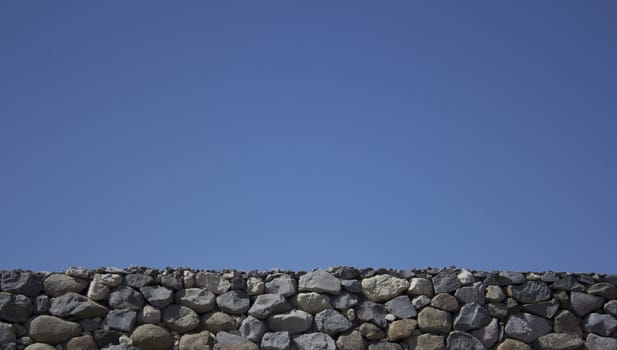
x: 254, y: 135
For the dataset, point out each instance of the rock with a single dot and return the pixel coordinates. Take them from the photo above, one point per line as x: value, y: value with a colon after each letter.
x: 583, y: 303
x: 41, y: 304
x: 59, y: 284
x: 472, y: 316
x: 611, y: 307
x: 566, y: 322
x: 527, y: 327
x: 90, y: 324
x: 179, y: 318
x: 39, y: 346
x: 255, y: 286
x: 84, y: 342
x: 569, y: 284
x: 121, y: 346
x: 546, y: 309
x: 104, y: 337
x: 465, y: 277
x: 332, y: 322
x: 352, y: 286
x: 384, y: 346
x: 76, y: 306
x: 603, y: 289
x: 505, y: 278
x: 121, y: 319
x: 212, y: 282
x: 489, y: 334
x: 295, y: 321
x: 281, y: 284
x: 266, y: 304
x: 560, y: 341
x: 157, y: 296
x: 420, y: 301
x: 494, y: 294
x: 531, y: 292
x: 420, y: 286
x: 600, y: 324
x: 173, y: 282
x: 595, y: 342
x: 445, y: 302
x: 401, y: 329
x: 198, y: 341
x: 371, y: 332
x: 401, y: 307
x: 228, y: 341
x: 383, y: 287
x: 7, y: 333
x: 446, y: 282
x: 511, y: 344
x: 98, y: 290
x: 471, y: 294
x: 149, y: 314
x: 431, y: 320
x: 152, y: 337
x: 275, y: 341
x: 109, y: 279
x: 138, y: 280
x: 53, y: 330
x: 123, y: 297
x: 314, y: 341
x: 234, y: 302
x: 343, y: 301
x: 15, y: 307
x: 320, y: 281
x: 21, y: 282
x: 369, y: 311
x: 426, y: 342
x: 198, y: 299
x: 252, y: 329
x: 351, y: 341
x: 498, y: 310
x: 219, y: 321
x: 458, y: 340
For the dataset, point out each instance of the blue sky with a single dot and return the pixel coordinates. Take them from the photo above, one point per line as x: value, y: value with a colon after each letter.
x: 253, y: 135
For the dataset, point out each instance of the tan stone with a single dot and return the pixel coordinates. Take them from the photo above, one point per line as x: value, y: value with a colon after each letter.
x: 511, y: 344
x: 401, y: 329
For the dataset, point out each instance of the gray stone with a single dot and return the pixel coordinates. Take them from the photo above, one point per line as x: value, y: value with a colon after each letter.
x: 121, y: 346
x: 282, y: 284
x: 498, y: 310
x: 603, y: 289
x: 229, y: 341
x: 369, y: 311
x: 458, y: 340
x: 90, y: 324
x: 7, y: 333
x: 111, y: 280
x: 383, y: 287
x: 266, y: 304
x: 235, y: 302
x: 371, y: 331
x: 21, y: 282
x: 41, y: 304
x: 104, y: 337
x: 295, y: 321
x: 384, y: 346
x: 15, y: 307
x: 314, y: 341
x: 344, y: 301
x: 549, y: 277
x: 255, y: 286
x: 319, y: 281
x: 157, y: 295
x: 560, y: 341
x: 98, y: 290
x: 611, y: 279
x: 219, y: 321
x: 611, y: 307
x: 39, y: 346
x: 569, y: 284
x: 426, y: 342
x: 472, y: 316
x: 401, y: 307
x: 494, y: 294
x: 172, y: 282
x: 431, y: 320
x: 531, y: 292
x: 600, y: 324
x: 420, y: 286
x: 198, y: 299
x: 446, y: 282
x: 76, y: 306
x: 313, y: 302
x: 179, y: 318
x: 546, y: 309
x: 445, y: 302
x: 471, y: 294
x: 527, y: 327
x: 121, y: 320
x: 212, y: 282
x: 53, y: 330
x: 59, y: 284
x: 123, y: 297
x: 352, y: 286
x: 505, y: 278
x: 332, y: 322
x: 149, y: 314
x: 420, y: 301
x: 583, y: 303
x: 511, y: 344
x: 152, y: 337
x: 84, y: 342
x: 566, y: 322
x: 489, y: 334
x: 198, y: 341
x: 252, y: 329
x: 595, y: 342
x: 138, y: 280
x: 351, y: 341
x: 275, y: 341
x: 401, y: 329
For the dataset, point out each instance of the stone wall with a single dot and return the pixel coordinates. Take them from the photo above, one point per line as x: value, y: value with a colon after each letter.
x: 339, y: 308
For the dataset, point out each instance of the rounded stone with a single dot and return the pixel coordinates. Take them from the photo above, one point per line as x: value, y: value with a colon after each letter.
x: 458, y: 340
x: 53, y: 330
x: 351, y: 341
x: 219, y: 321
x: 179, y: 318
x: 198, y: 299
x: 234, y: 302
x: 445, y: 302
x: 431, y: 320
x: 59, y: 284
x: 152, y: 337
x: 295, y: 321
x: 511, y: 344
x: 383, y: 287
x: 559, y: 341
x: 199, y: 341
x: 84, y: 342
x: 312, y: 302
x: 39, y: 346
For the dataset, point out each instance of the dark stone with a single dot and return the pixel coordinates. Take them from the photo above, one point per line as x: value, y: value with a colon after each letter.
x: 138, y: 280
x: 123, y: 297
x: 458, y: 340
x: 76, y: 306
x: 472, y: 316
x: 531, y: 292
x: 106, y: 337
x: 15, y: 307
x: 369, y: 311
x: 21, y: 282
x: 446, y: 282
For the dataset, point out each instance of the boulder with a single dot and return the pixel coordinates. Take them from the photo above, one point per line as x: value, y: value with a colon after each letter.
x: 383, y: 287
x: 152, y: 337
x: 319, y: 281
x: 53, y: 330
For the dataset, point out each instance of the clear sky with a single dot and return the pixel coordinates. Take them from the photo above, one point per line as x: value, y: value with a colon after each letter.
x: 261, y: 134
